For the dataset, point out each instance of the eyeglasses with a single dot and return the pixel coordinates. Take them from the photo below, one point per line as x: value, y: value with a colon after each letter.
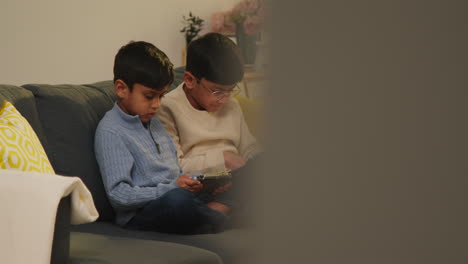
x: 219, y: 95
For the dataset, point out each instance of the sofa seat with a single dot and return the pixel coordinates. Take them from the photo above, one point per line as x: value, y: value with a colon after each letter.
x: 232, y: 245
x: 93, y: 249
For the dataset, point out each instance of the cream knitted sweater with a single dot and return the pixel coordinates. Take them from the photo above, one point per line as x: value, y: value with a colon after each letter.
x: 200, y: 137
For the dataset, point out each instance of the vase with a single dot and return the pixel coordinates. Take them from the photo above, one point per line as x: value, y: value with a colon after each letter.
x: 246, y: 43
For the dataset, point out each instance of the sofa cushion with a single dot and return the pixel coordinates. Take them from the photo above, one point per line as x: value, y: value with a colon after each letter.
x: 252, y: 109
x: 106, y: 88
x: 69, y: 115
x: 91, y: 248
x: 20, y: 148
x: 24, y: 102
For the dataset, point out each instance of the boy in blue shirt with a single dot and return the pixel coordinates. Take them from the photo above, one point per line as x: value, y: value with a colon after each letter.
x: 137, y: 158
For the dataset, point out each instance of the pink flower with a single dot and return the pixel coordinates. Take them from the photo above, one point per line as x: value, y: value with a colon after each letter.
x: 246, y: 7
x: 249, y: 13
x: 252, y: 25
x: 217, y: 22
x: 251, y: 6
x: 221, y: 23
x: 229, y: 28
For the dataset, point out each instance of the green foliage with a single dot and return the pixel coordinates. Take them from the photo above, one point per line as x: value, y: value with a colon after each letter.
x: 192, y: 26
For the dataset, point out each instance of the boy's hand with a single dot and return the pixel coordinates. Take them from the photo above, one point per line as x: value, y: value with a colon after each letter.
x: 233, y: 161
x: 188, y: 183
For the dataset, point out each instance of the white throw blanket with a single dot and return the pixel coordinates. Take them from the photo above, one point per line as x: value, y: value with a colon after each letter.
x: 28, y: 206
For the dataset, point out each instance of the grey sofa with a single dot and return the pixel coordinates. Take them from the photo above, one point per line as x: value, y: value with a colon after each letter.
x: 65, y: 118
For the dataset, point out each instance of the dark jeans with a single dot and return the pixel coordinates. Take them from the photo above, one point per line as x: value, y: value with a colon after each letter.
x: 181, y: 211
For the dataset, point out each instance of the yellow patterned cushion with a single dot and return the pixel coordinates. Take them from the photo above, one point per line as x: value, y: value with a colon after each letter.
x: 20, y: 148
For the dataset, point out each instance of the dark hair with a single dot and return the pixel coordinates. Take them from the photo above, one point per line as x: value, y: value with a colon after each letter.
x: 141, y: 62
x: 216, y: 58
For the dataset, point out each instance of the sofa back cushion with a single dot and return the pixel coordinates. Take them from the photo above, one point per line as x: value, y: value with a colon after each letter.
x: 178, y: 77
x: 106, y: 88
x: 69, y: 115
x: 24, y: 102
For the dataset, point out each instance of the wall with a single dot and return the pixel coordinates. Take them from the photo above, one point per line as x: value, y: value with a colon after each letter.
x: 62, y: 41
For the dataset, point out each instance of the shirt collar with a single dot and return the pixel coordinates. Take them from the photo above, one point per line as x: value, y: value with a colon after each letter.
x: 130, y: 121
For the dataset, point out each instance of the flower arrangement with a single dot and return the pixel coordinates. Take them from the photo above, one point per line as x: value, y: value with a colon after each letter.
x: 249, y: 14
x: 192, y: 26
